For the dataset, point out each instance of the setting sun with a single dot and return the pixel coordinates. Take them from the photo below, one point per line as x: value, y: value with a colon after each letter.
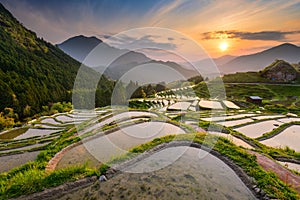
x: 223, y: 46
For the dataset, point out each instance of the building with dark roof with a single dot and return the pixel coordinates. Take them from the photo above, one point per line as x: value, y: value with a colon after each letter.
x: 254, y: 99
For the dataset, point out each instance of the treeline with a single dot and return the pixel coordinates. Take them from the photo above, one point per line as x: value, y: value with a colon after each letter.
x: 123, y: 92
x: 10, y: 119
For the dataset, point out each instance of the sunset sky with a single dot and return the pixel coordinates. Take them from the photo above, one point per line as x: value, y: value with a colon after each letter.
x: 234, y: 27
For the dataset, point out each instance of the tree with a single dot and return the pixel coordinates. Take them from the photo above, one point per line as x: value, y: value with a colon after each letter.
x: 149, y: 90
x: 130, y: 88
x: 119, y: 94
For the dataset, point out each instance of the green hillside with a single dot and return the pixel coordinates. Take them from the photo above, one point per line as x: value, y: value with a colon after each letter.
x: 34, y: 73
x: 260, y: 77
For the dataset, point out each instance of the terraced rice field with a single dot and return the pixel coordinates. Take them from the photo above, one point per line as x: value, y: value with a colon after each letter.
x: 10, y: 161
x: 258, y: 129
x: 289, y: 137
x: 114, y: 144
x: 180, y: 106
x: 208, y: 176
x: 111, y: 133
x: 21, y: 145
x: 210, y: 104
x: 31, y: 132
x: 235, y: 122
x: 229, y: 117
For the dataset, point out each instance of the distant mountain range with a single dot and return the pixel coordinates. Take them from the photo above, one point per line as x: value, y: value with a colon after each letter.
x: 258, y: 61
x: 80, y: 48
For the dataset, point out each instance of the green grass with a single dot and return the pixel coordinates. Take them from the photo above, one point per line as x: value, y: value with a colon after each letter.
x: 283, y: 91
x: 245, y: 77
x: 240, y: 91
x: 33, y: 179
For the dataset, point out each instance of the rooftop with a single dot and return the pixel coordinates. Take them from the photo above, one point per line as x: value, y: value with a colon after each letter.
x: 255, y: 97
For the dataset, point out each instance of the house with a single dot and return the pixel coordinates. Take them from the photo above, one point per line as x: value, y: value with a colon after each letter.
x: 254, y: 99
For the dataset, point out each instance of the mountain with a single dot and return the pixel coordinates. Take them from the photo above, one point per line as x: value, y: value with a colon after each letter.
x: 223, y: 59
x: 33, y: 72
x: 80, y: 46
x: 112, y: 61
x: 205, y: 66
x: 257, y: 61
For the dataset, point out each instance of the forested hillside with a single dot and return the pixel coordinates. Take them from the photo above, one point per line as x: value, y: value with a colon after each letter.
x: 34, y: 73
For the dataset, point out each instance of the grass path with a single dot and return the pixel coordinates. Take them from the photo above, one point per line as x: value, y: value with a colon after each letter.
x: 284, y: 174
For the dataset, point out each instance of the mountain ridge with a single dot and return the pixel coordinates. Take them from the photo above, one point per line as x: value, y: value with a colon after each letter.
x: 257, y: 61
x: 123, y: 59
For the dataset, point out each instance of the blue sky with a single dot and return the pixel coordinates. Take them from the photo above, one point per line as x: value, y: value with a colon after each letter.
x: 245, y: 25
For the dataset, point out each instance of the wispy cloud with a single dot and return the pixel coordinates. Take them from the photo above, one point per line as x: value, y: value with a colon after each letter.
x: 149, y: 41
x: 261, y: 35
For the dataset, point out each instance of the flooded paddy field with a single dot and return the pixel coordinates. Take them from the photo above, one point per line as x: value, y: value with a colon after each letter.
x: 205, y: 178
x: 289, y: 137
x: 106, y: 147
x: 31, y: 132
x: 10, y: 161
x: 235, y: 122
x: 109, y: 134
x: 258, y: 129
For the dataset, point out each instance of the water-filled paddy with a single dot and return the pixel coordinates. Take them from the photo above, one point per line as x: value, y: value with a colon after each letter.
x: 235, y: 122
x: 28, y: 147
x: 64, y: 118
x: 228, y: 117
x: 259, y: 128
x: 230, y: 104
x: 116, y: 143
x: 205, y: 178
x: 289, y: 137
x: 50, y: 121
x: 268, y: 117
x: 124, y: 115
x: 46, y: 126
x: 288, y: 120
x: 11, y: 161
x: 210, y: 104
x: 35, y: 132
x: 69, y: 120
x: 128, y: 115
x: 180, y: 106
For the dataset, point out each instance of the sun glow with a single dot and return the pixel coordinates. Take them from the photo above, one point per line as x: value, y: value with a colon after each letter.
x: 223, y: 46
